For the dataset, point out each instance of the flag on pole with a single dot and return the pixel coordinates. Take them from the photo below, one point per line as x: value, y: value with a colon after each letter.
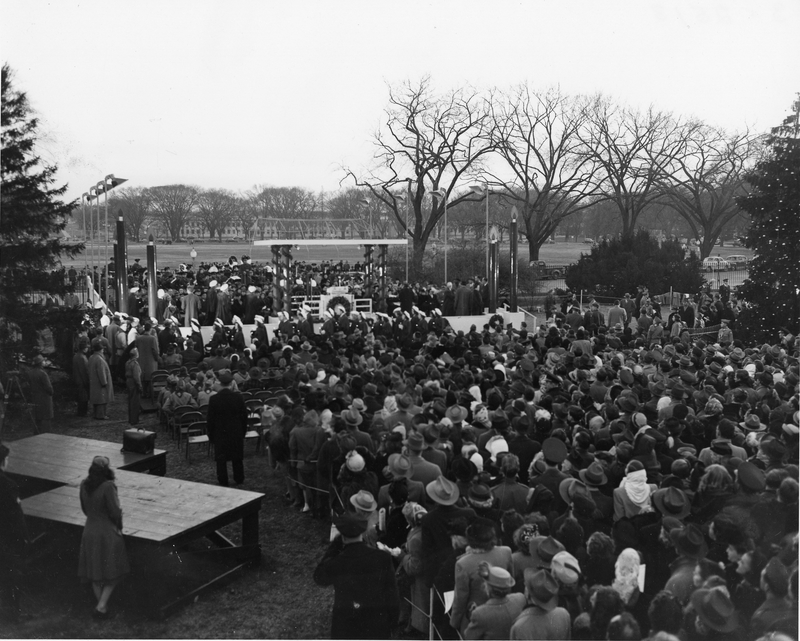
x: 94, y: 298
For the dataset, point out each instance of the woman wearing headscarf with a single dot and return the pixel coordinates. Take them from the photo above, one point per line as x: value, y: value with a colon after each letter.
x: 102, y: 558
x: 133, y: 383
x: 633, y: 496
x: 626, y: 583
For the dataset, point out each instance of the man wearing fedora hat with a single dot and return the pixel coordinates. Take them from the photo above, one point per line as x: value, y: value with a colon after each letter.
x: 469, y: 587
x: 691, y: 546
x: 542, y: 619
x: 715, y: 616
x: 436, y: 544
x: 366, y: 603
x: 399, y: 470
x: 595, y: 479
x: 423, y: 471
x: 493, y: 619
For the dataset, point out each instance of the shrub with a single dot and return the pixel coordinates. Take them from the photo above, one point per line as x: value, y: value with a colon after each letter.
x: 620, y: 265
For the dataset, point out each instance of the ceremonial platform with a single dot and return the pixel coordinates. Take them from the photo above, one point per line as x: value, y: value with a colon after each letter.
x: 163, y: 518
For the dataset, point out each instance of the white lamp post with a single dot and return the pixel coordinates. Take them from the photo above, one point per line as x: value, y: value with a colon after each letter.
x: 483, y: 190
x: 441, y: 193
x: 193, y: 254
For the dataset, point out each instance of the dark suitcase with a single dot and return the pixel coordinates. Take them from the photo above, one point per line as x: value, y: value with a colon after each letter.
x: 138, y: 441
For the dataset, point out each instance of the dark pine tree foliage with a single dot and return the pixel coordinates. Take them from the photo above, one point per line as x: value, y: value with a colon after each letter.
x: 32, y: 217
x: 771, y: 294
x: 620, y: 265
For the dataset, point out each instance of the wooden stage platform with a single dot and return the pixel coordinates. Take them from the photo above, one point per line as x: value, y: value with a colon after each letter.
x: 66, y: 459
x: 161, y: 515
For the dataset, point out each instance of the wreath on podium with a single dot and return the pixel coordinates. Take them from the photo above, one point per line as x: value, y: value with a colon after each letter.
x: 496, y: 322
x: 339, y: 300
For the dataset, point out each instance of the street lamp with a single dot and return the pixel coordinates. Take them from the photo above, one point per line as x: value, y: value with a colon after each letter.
x: 441, y: 193
x: 483, y: 190
x: 403, y: 197
x: 364, y: 201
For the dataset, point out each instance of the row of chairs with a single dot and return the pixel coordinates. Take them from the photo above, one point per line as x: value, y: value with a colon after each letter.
x: 189, y: 424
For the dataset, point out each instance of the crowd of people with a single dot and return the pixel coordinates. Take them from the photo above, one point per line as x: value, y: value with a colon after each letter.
x: 592, y: 478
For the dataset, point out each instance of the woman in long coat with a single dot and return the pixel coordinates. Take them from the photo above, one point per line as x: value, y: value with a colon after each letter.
x: 147, y: 344
x: 133, y: 382
x: 41, y: 395
x: 101, y: 388
x: 80, y: 374
x: 102, y: 558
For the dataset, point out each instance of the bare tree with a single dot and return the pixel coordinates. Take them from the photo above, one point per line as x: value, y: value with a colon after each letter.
x: 172, y: 205
x: 134, y: 203
x: 551, y: 176
x: 428, y: 142
x: 216, y: 208
x: 705, y: 178
x: 634, y: 149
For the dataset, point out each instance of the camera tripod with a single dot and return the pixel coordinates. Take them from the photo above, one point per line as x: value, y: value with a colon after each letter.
x: 15, y: 396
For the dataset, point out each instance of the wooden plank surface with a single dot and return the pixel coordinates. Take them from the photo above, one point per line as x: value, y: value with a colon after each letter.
x: 155, y: 508
x: 66, y: 459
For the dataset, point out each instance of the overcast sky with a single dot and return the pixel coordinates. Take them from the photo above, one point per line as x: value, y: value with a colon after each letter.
x: 230, y: 94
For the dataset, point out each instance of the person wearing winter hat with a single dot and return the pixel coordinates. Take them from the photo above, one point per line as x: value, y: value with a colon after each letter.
x: 469, y: 589
x: 493, y: 619
x: 542, y: 619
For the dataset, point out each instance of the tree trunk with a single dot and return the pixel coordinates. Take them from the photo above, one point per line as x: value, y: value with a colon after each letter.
x: 417, y: 254
x: 533, y: 250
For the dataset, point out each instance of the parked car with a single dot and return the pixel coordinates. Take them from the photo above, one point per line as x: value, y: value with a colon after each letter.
x: 737, y: 260
x: 715, y: 263
x: 588, y: 241
x: 545, y: 271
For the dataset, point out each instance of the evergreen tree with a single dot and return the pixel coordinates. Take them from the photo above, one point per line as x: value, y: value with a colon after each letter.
x: 772, y: 292
x: 33, y: 217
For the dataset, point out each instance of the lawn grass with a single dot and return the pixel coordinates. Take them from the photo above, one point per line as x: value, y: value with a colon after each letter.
x: 278, y: 599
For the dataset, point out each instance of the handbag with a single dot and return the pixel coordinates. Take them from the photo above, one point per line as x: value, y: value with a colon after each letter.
x: 138, y: 441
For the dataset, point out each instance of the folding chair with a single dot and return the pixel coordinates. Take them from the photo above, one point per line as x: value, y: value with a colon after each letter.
x: 197, y: 434
x: 246, y: 395
x: 158, y: 382
x: 183, y: 420
x: 263, y: 395
x: 254, y: 406
x: 254, y: 431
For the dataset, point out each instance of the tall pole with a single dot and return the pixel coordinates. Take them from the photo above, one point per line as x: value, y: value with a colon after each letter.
x: 493, y: 275
x: 487, y: 230
x: 514, y: 259
x: 405, y: 235
x: 83, y: 212
x: 105, y: 261
x: 445, y: 237
x: 122, y: 266
x: 152, y: 281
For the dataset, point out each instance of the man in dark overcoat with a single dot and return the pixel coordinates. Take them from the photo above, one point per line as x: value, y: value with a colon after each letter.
x: 366, y: 603
x: 227, y: 425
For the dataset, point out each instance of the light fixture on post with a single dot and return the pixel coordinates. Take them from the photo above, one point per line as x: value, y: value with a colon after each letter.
x: 442, y: 194
x: 403, y: 197
x: 493, y: 269
x: 365, y: 202
x: 193, y: 254
x: 483, y: 190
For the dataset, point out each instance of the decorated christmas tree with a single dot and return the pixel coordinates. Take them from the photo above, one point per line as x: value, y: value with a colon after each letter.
x: 31, y: 224
x: 771, y: 295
